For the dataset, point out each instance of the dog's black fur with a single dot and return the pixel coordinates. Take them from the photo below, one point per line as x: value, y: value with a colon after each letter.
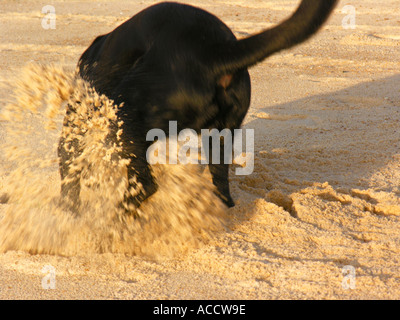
x: 177, y: 62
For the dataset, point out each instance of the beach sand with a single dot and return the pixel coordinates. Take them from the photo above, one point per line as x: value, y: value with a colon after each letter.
x: 318, y: 218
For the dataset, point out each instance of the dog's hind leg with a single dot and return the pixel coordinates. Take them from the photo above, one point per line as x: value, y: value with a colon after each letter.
x: 141, y: 183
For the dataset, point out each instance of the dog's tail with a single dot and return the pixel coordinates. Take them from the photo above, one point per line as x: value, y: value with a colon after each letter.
x: 307, y: 19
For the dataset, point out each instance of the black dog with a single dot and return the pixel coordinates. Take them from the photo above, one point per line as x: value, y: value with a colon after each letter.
x: 177, y: 62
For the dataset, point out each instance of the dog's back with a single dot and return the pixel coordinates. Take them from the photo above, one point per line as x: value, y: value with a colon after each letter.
x: 176, y: 35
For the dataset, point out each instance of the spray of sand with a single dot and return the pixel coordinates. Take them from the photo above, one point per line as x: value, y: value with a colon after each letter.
x: 183, y: 213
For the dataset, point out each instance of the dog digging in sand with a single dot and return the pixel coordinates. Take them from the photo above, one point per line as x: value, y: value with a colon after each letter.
x: 175, y: 62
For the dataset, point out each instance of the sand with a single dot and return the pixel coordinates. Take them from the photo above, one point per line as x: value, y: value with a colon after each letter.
x: 317, y: 219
